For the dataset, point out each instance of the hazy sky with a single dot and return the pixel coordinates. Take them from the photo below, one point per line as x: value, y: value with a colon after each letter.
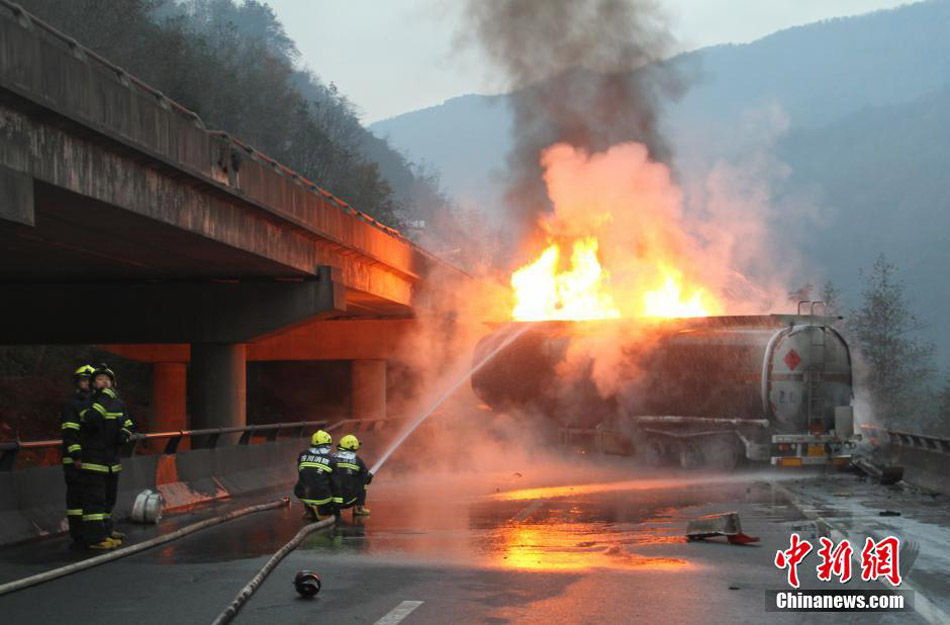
x: 393, y: 56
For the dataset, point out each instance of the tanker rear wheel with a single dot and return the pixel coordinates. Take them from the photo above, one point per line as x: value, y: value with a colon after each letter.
x: 691, y: 455
x: 722, y: 452
x: 650, y: 453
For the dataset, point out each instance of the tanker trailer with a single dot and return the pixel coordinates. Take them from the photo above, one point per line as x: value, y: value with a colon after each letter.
x: 699, y: 391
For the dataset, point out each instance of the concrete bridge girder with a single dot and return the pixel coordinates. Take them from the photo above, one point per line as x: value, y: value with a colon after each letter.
x: 170, y: 312
x: 367, y: 344
x: 117, y: 202
x: 76, y: 180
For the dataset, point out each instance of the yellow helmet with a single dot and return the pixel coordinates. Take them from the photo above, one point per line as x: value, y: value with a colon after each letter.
x: 84, y: 371
x: 349, y: 442
x: 321, y: 437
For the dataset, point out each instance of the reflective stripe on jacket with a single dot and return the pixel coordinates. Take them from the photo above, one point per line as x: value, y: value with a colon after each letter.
x: 350, y: 475
x: 105, y: 425
x: 315, y: 466
x: 69, y: 426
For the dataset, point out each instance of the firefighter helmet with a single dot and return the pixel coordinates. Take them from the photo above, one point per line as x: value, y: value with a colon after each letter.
x: 321, y: 437
x: 349, y: 442
x: 84, y: 371
x: 307, y: 583
x: 103, y: 369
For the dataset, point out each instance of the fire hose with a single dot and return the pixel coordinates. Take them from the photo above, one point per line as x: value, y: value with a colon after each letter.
x: 46, y: 576
x: 245, y: 593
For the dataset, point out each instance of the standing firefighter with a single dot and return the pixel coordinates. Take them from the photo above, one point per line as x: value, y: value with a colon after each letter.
x: 315, y: 486
x: 72, y: 449
x: 351, y: 476
x: 105, y: 425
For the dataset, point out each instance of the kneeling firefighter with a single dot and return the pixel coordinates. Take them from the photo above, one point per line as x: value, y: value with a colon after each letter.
x: 351, y: 476
x: 315, y: 486
x: 105, y: 426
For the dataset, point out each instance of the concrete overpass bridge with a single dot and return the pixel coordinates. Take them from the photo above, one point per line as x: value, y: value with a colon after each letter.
x: 123, y: 220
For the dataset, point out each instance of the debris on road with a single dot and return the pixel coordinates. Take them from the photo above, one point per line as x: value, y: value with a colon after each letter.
x: 884, y: 473
x: 307, y: 583
x: 713, y: 525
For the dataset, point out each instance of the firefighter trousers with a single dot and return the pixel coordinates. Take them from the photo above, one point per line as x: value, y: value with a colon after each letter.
x: 321, y: 501
x: 112, y: 492
x: 99, y: 490
x: 73, y: 501
x: 359, y: 500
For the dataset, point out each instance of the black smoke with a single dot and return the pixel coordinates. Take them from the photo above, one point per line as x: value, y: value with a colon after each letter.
x: 586, y: 72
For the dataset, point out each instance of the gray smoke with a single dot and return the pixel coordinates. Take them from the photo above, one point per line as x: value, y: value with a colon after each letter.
x: 585, y: 72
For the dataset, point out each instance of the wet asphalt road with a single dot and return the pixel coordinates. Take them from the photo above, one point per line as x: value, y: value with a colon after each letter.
x: 473, y: 549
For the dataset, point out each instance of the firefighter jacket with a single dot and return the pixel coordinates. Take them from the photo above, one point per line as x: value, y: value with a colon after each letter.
x: 69, y: 426
x: 105, y: 425
x: 315, y: 468
x: 351, y: 476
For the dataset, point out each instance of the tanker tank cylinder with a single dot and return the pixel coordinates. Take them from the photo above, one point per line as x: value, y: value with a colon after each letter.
x: 767, y: 374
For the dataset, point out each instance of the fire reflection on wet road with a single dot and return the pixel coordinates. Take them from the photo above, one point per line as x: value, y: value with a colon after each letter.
x: 472, y: 549
x: 556, y: 547
x: 604, y: 525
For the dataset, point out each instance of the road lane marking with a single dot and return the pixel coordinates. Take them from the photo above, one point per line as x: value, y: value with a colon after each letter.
x: 400, y: 612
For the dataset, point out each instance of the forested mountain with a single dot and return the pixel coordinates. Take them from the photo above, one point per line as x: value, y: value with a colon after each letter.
x: 231, y: 62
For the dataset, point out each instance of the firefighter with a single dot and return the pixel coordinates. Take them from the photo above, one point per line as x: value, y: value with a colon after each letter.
x: 351, y: 476
x: 315, y: 487
x: 72, y: 449
x: 105, y: 425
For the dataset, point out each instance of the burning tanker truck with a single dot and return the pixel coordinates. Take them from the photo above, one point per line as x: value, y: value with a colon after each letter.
x: 704, y: 391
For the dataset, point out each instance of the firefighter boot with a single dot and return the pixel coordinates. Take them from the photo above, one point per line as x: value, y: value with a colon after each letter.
x: 360, y: 511
x: 104, y: 545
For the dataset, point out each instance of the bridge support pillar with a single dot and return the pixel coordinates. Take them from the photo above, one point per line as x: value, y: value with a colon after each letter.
x: 369, y: 389
x: 218, y: 385
x: 169, y: 388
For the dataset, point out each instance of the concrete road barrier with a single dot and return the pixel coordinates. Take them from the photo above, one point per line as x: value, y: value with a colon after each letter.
x: 32, y: 500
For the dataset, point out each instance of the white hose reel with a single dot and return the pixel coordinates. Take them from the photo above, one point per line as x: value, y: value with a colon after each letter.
x: 147, y: 507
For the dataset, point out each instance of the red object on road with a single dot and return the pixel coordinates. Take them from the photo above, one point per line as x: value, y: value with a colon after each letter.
x: 742, y: 539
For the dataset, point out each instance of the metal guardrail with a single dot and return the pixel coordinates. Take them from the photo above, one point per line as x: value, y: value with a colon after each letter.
x: 205, y: 438
x: 907, y: 439
x: 919, y: 441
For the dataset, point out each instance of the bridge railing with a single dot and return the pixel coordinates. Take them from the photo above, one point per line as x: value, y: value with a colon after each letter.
x: 209, y: 438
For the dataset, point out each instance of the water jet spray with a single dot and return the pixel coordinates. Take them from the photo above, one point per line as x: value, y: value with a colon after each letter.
x: 451, y: 389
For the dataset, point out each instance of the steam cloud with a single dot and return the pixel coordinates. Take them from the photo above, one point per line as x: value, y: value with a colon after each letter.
x: 584, y: 72
x: 588, y: 82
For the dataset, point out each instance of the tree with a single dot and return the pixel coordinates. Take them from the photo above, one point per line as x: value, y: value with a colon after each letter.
x: 898, y: 366
x: 831, y: 296
x: 943, y: 425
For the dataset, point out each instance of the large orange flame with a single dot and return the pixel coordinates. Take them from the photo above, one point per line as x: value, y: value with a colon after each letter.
x: 670, y: 299
x: 542, y: 291
x: 579, y: 292
x: 632, y: 254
